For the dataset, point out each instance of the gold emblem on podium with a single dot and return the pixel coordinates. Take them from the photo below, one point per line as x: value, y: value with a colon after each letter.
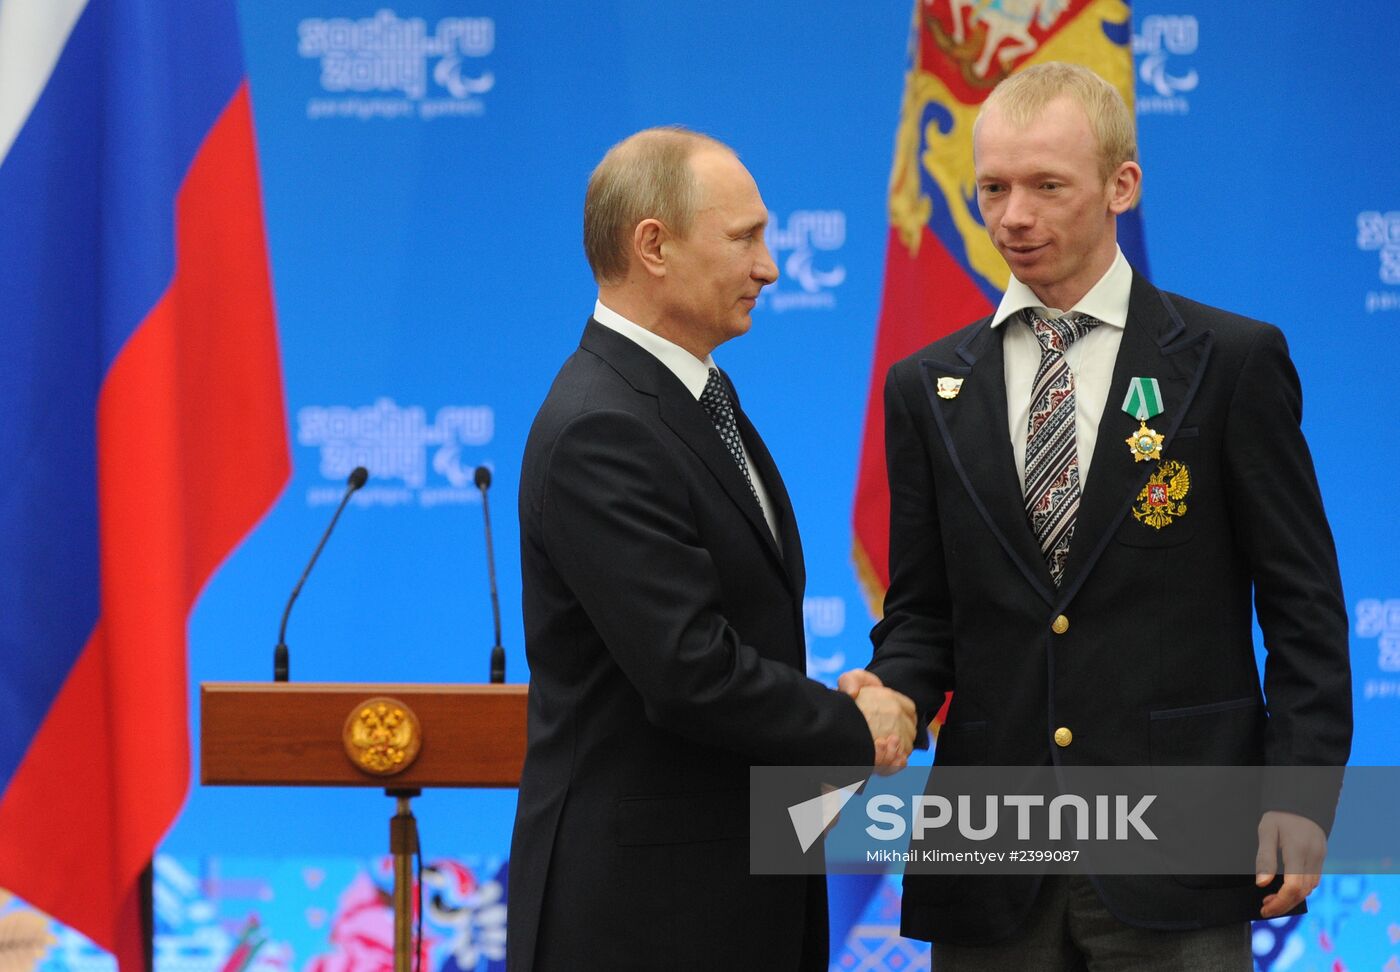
x: 382, y: 736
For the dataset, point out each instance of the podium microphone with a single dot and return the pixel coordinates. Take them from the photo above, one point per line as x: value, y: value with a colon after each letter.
x: 482, y: 477
x: 358, y: 476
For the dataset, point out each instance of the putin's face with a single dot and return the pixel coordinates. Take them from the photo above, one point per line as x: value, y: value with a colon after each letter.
x: 715, y: 272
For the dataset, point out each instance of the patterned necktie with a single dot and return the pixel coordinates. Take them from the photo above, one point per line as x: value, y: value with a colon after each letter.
x: 715, y: 398
x: 1052, y: 461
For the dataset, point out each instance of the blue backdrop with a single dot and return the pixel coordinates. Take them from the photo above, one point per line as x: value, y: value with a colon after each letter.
x: 423, y: 167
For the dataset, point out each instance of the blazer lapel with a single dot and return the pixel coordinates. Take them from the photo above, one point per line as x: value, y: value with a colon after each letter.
x: 688, y: 420
x: 974, y: 429
x: 786, y: 520
x: 1155, y: 345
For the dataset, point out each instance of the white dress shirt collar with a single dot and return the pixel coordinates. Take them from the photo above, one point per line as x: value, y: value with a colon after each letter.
x: 692, y: 372
x: 1106, y: 301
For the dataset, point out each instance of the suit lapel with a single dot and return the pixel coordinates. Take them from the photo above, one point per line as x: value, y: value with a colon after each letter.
x: 1155, y: 345
x: 783, y: 514
x: 691, y: 424
x: 688, y: 419
x: 974, y: 430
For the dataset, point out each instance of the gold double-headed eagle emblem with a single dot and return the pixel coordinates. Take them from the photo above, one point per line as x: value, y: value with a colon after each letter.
x: 1163, y: 498
x: 381, y: 736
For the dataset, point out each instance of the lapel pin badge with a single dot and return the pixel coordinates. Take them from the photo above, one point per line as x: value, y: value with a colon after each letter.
x: 949, y: 387
x: 1144, y: 401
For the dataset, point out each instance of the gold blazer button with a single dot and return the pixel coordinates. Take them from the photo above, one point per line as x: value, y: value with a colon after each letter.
x: 1060, y: 625
x: 1063, y: 737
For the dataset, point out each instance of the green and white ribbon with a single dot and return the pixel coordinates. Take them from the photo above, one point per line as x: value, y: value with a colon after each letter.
x: 1144, y: 399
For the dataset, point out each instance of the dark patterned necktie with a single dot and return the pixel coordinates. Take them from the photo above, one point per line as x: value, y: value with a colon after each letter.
x: 715, y: 399
x: 1052, y: 461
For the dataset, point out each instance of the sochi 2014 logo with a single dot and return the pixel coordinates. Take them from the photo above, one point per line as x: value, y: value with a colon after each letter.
x: 1380, y: 619
x: 1379, y: 233
x: 410, y: 459
x: 1162, y: 47
x: 803, y: 247
x: 388, y: 66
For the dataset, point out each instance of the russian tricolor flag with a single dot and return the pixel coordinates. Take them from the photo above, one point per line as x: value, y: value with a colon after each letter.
x: 142, y: 426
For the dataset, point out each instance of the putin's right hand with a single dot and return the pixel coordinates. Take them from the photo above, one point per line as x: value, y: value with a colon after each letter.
x: 892, y: 718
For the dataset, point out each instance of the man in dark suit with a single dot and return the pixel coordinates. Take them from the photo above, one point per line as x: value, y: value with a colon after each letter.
x: 663, y: 583
x: 1087, y: 489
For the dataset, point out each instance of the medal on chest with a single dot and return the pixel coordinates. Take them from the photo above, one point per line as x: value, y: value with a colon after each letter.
x: 1144, y: 401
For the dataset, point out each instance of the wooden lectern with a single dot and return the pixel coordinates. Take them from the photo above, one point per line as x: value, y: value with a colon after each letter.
x: 400, y: 737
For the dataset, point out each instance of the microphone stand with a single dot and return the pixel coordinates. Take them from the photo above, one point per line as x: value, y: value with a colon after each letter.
x: 482, y: 478
x: 280, y: 658
x: 403, y: 847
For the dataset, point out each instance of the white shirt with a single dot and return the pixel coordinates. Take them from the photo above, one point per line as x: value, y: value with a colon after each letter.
x: 1090, y: 359
x: 692, y: 372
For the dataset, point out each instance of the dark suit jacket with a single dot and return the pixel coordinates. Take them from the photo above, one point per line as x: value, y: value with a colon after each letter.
x: 663, y: 627
x: 1157, y: 666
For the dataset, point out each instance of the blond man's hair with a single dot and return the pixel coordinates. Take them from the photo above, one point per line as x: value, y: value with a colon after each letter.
x: 644, y: 176
x: 1025, y: 94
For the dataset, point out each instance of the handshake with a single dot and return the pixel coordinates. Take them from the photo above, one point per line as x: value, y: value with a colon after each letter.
x: 890, y: 715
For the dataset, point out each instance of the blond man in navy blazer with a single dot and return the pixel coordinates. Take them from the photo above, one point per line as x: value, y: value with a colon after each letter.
x: 1137, y: 648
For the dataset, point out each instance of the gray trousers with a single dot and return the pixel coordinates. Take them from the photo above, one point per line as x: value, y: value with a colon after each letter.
x: 1070, y: 930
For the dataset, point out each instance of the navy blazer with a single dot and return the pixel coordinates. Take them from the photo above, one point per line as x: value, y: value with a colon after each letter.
x: 1157, y: 664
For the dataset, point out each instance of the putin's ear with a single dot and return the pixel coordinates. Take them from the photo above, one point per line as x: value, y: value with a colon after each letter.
x: 647, y: 246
